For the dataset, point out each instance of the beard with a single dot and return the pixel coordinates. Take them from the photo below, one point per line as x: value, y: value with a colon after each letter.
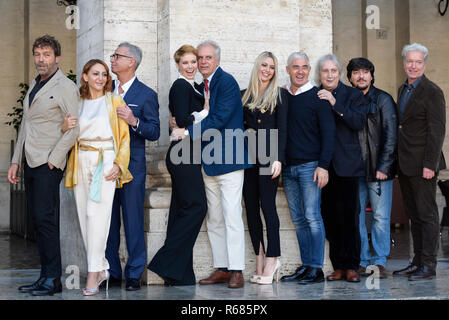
x: 45, y: 69
x: 361, y: 86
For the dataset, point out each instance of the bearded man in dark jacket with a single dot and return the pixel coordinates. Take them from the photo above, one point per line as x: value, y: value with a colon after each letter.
x: 378, y: 141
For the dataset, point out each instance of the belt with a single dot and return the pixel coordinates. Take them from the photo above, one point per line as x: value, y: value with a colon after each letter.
x: 95, y: 186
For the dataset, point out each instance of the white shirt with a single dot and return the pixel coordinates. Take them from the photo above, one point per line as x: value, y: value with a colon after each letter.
x: 302, y: 89
x: 125, y: 86
x: 94, y: 120
x: 210, y: 79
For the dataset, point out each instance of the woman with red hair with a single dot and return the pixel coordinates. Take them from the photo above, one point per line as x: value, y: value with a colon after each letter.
x: 98, y: 164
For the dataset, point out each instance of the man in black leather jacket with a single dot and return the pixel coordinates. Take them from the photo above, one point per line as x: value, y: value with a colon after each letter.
x: 379, y: 143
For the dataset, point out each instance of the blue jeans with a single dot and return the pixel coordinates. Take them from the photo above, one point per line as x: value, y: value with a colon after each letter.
x: 304, y: 201
x: 380, y: 230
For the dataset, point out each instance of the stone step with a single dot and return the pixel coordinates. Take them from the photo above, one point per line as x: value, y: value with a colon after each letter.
x: 155, y: 220
x: 202, y: 255
x: 160, y: 198
x: 157, y: 167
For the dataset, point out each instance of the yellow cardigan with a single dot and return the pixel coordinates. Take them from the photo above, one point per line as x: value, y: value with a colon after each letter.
x: 120, y: 131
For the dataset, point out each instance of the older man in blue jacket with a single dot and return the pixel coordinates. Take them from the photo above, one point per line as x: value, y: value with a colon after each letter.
x: 224, y: 158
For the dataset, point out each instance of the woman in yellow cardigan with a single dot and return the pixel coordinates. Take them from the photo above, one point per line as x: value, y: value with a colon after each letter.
x: 98, y: 164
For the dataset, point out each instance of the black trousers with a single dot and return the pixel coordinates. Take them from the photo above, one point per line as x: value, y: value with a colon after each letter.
x: 419, y: 196
x: 260, y: 191
x: 340, y: 208
x: 42, y: 194
x: 188, y: 208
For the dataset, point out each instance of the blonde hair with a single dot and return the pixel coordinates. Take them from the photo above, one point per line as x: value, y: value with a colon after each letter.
x: 254, y: 99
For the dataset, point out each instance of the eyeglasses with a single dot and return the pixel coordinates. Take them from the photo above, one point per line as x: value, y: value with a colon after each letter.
x: 117, y: 55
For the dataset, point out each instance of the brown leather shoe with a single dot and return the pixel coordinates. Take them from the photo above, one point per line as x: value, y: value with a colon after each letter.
x: 382, y: 272
x: 336, y: 275
x: 352, y: 276
x: 363, y: 272
x: 236, y: 280
x: 217, y: 276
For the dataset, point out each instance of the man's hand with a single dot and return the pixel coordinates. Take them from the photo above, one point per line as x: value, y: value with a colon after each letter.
x: 12, y: 173
x: 127, y: 114
x: 323, y: 94
x: 276, y: 169
x: 322, y: 176
x: 50, y: 166
x: 381, y: 175
x: 114, y: 174
x: 427, y: 173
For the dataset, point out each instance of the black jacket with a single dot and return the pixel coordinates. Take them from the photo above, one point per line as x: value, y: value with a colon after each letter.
x: 277, y: 120
x: 379, y: 137
x: 422, y: 129
x: 350, y: 117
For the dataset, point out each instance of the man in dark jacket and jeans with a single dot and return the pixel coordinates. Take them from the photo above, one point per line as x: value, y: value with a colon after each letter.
x: 379, y: 143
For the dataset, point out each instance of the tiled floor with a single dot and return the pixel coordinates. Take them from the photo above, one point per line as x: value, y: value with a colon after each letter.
x: 19, y: 264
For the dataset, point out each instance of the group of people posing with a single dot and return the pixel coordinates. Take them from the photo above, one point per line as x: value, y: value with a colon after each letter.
x: 337, y: 147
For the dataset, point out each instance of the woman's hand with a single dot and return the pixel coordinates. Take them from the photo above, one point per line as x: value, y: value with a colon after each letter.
x: 178, y: 134
x: 114, y: 174
x: 276, y: 169
x: 69, y: 123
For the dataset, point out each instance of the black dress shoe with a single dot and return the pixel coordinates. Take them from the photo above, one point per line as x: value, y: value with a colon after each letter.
x: 408, y: 270
x: 423, y: 273
x: 31, y: 287
x: 113, y: 282
x: 49, y: 287
x: 313, y: 275
x: 132, y: 284
x: 298, y: 274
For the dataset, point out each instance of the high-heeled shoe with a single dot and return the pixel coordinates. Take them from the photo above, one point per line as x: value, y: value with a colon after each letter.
x: 90, y: 292
x: 106, y: 278
x: 254, y: 278
x: 269, y: 279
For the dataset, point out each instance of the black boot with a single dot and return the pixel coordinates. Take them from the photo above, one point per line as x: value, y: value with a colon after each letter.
x: 49, y: 287
x: 423, y: 273
x: 298, y: 274
x: 31, y: 287
x: 407, y: 271
x: 313, y: 275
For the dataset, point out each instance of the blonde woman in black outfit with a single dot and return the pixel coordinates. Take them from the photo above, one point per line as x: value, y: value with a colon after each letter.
x: 188, y: 207
x: 264, y: 108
